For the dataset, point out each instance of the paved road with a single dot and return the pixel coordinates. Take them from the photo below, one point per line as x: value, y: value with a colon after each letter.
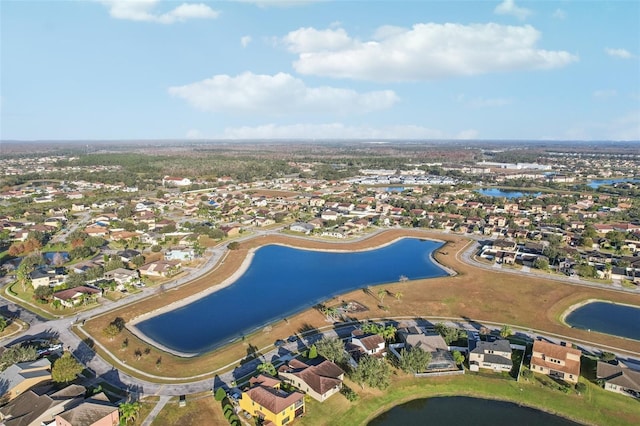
x: 61, y: 329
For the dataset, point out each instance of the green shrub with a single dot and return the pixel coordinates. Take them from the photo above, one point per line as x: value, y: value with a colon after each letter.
x: 349, y: 393
x: 220, y: 394
x: 581, y: 387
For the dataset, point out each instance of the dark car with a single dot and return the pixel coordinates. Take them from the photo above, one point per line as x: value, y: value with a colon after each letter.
x: 278, y: 343
x: 292, y: 338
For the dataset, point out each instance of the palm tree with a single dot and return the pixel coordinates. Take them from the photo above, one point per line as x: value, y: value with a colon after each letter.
x: 129, y: 411
x: 398, y: 295
x: 381, y: 294
x: 267, y: 368
x: 505, y: 331
x: 389, y: 332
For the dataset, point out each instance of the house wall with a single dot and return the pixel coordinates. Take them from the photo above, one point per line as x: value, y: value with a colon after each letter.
x: 286, y: 416
x: 26, y: 384
x: 300, y: 384
x: 110, y: 420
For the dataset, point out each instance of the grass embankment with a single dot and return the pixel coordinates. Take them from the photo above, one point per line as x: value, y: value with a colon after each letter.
x: 475, y: 293
x: 596, y: 406
x: 200, y: 409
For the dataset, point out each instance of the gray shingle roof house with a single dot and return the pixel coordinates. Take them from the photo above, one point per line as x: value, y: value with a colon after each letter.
x: 619, y: 379
x: 21, y: 376
x: 494, y: 355
x: 40, y: 405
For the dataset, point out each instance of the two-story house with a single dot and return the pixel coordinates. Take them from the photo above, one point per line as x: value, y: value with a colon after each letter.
x: 494, y: 356
x: 266, y: 401
x: 318, y: 378
x: 557, y: 361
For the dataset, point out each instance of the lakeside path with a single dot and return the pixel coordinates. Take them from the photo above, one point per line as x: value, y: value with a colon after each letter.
x: 471, y: 294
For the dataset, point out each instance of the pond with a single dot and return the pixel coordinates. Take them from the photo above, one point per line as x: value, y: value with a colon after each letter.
x: 280, y: 282
x: 606, y: 317
x: 52, y: 257
x: 454, y: 410
x: 509, y: 194
x: 597, y: 183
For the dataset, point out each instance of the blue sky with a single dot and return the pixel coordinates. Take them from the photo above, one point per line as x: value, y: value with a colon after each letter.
x: 150, y: 69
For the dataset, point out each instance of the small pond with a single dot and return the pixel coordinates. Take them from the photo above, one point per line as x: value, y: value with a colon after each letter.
x: 496, y: 192
x: 609, y: 318
x: 52, y: 256
x: 282, y: 281
x: 597, y: 183
x: 456, y: 410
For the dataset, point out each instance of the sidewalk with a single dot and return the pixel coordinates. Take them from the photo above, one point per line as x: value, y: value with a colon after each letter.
x: 159, y: 406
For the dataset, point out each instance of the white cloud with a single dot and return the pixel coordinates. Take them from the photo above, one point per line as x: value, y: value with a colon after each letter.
x: 618, y: 53
x: 335, y: 131
x: 311, y: 40
x: 424, y: 52
x: 602, y: 94
x: 145, y: 11
x: 245, y: 40
x: 559, y: 14
x: 468, y: 134
x: 622, y: 128
x: 277, y: 94
x: 484, y: 102
x: 509, y: 7
x: 194, y: 134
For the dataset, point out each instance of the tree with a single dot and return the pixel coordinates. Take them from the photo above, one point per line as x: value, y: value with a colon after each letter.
x: 374, y: 372
x: 234, y: 245
x: 414, y: 360
x: 267, y: 368
x: 138, y: 260
x: 313, y: 352
x: 43, y: 293
x: 541, y: 263
x: 3, y: 324
x: 381, y: 294
x: 449, y: 334
x: 332, y: 349
x: 65, y: 369
x: 111, y: 331
x: 128, y: 411
x: 505, y: 331
x: 398, y: 295
x: 458, y: 358
x: 220, y: 394
x: 607, y: 356
x: 17, y: 353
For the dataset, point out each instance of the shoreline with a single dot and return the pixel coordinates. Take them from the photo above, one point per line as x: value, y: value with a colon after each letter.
x: 586, y: 302
x: 131, y: 325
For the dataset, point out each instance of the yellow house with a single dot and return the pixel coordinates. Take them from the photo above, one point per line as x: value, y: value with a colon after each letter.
x: 271, y: 404
x: 22, y: 376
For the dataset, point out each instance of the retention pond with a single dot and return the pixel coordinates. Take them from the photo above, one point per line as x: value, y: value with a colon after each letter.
x: 606, y: 317
x: 280, y: 282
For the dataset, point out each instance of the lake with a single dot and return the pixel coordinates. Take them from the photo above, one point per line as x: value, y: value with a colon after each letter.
x: 454, y: 410
x: 609, y: 318
x: 597, y: 183
x: 280, y: 282
x: 495, y: 192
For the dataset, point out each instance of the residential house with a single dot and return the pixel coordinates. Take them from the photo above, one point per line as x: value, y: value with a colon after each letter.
x: 76, y: 295
x: 365, y: 344
x: 494, y: 356
x: 160, y: 268
x: 94, y: 411
x: 557, y: 361
x: 433, y: 343
x: 619, y: 378
x: 23, y: 375
x: 318, y: 378
x: 40, y: 405
x: 128, y: 255
x: 122, y: 276
x: 47, y: 277
x: 305, y: 228
x: 175, y: 181
x: 266, y: 401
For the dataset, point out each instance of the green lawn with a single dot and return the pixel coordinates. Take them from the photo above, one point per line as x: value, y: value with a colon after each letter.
x: 596, y: 406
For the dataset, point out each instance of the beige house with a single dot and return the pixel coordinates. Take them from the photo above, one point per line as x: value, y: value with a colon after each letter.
x: 494, y: 356
x: 22, y: 376
x: 160, y: 268
x: 94, y: 411
x: 619, y: 379
x: 560, y: 362
x: 39, y: 406
x: 318, y: 378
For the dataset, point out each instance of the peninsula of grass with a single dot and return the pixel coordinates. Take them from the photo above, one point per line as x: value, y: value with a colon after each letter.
x: 594, y: 407
x: 473, y: 294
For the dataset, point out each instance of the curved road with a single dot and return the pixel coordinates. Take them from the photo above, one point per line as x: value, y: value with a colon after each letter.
x: 61, y: 329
